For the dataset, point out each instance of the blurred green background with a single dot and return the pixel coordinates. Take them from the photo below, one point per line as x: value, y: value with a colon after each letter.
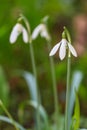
x: 13, y: 88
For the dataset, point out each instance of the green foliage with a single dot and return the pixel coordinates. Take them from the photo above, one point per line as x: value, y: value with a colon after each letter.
x: 31, y: 84
x: 33, y: 104
x: 75, y: 85
x: 4, y: 87
x: 17, y: 56
x: 8, y: 120
x: 76, y: 117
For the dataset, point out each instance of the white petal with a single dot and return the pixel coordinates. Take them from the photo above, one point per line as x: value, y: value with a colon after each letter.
x: 45, y: 34
x: 14, y: 34
x: 72, y: 50
x: 54, y: 49
x: 13, y: 37
x: 36, y: 31
x: 25, y: 35
x: 62, y: 51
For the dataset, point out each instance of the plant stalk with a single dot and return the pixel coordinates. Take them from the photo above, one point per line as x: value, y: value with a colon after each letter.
x: 67, y: 93
x: 55, y: 91
x: 68, y: 81
x: 34, y: 69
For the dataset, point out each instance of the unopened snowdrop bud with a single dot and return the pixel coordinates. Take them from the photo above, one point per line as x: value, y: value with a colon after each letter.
x: 42, y: 30
x: 62, y: 45
x: 16, y: 31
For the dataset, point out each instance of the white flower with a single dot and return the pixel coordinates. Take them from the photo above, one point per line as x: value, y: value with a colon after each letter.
x: 62, y: 49
x: 16, y: 31
x: 42, y: 30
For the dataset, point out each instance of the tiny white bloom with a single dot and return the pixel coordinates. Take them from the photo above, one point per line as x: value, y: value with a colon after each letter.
x: 62, y: 49
x: 42, y: 30
x: 16, y: 31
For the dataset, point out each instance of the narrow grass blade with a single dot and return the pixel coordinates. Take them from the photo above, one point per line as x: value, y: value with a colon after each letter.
x: 4, y: 87
x: 76, y: 80
x: 76, y: 117
x: 30, y: 79
x: 43, y: 114
x: 7, y: 120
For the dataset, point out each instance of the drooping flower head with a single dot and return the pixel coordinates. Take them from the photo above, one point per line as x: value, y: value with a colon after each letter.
x: 41, y: 30
x: 16, y: 31
x: 62, y: 46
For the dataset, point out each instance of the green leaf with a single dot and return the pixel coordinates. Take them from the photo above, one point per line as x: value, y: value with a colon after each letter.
x: 31, y: 83
x: 30, y: 79
x: 42, y: 111
x: 76, y: 117
x: 7, y: 120
x: 4, y: 87
x: 75, y: 84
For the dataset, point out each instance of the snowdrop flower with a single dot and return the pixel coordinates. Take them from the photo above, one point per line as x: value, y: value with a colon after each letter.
x: 42, y: 30
x: 16, y: 31
x: 62, y: 45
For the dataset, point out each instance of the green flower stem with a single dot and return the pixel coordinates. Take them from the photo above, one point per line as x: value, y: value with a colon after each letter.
x: 54, y: 88
x: 34, y: 68
x: 35, y: 74
x: 67, y: 92
x: 68, y: 81
x: 8, y: 114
